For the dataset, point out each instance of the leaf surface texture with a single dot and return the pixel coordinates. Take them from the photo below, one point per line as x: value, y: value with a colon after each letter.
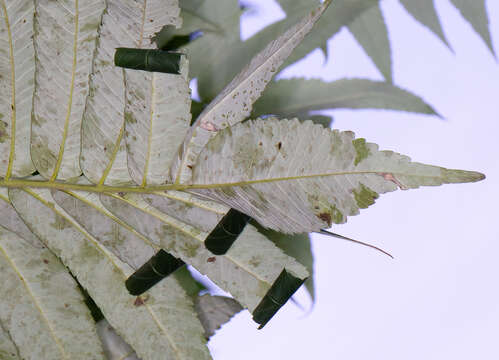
x: 298, y: 177
x: 17, y: 66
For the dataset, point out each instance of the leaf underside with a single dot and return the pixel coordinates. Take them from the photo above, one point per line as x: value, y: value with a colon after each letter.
x: 299, y: 177
x: 66, y: 110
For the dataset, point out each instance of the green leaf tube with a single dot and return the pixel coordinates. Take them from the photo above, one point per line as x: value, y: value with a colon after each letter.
x: 226, y: 232
x: 283, y: 288
x: 148, y: 59
x: 156, y: 269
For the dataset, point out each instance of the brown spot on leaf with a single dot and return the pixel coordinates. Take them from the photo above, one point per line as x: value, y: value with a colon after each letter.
x: 325, y: 217
x: 45, y: 261
x: 279, y: 145
x: 211, y: 259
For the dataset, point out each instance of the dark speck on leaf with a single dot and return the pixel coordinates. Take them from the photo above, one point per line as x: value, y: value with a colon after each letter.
x: 279, y: 145
x: 325, y: 217
x: 211, y: 259
x: 45, y: 261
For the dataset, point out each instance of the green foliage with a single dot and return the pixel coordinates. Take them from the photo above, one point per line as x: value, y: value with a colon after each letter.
x: 103, y: 167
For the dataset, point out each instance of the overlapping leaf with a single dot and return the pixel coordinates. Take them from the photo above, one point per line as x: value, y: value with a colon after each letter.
x: 114, y: 346
x: 234, y: 103
x: 68, y: 31
x: 40, y: 304
x: 155, y: 106
x: 297, y: 246
x: 175, y: 334
x: 247, y: 270
x: 214, y: 311
x: 298, y: 97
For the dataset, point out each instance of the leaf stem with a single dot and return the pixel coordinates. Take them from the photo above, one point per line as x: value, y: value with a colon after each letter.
x: 22, y: 183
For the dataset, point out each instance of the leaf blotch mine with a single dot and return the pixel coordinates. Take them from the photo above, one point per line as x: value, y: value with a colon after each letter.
x: 3, y: 131
x: 129, y: 118
x: 60, y: 223
x: 190, y: 250
x: 365, y: 196
x: 361, y: 149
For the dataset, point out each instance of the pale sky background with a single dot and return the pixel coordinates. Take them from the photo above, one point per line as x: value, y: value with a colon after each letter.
x: 438, y: 299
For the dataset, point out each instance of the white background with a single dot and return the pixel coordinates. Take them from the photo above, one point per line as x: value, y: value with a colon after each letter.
x: 439, y: 298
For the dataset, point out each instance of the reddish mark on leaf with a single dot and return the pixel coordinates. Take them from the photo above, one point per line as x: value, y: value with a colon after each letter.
x: 139, y: 301
x: 45, y: 261
x: 390, y: 177
x: 208, y: 126
x: 211, y: 259
x: 66, y: 305
x: 325, y: 217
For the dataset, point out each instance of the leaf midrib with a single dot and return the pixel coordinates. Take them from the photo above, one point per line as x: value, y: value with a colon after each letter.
x: 22, y: 183
x: 70, y: 99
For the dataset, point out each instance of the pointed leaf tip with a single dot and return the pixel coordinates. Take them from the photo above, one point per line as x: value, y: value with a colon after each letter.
x: 461, y: 176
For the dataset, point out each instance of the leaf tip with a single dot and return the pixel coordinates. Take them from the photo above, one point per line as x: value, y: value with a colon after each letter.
x: 462, y: 176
